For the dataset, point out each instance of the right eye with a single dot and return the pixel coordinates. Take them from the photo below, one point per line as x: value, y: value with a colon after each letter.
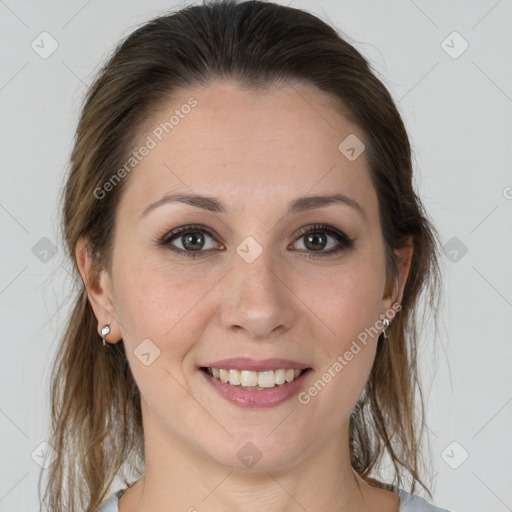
x: 192, y: 239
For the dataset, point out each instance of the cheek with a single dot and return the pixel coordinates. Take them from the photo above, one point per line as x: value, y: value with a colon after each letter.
x: 142, y: 299
x: 344, y: 301
x: 348, y: 351
x: 165, y: 308
x: 159, y: 334
x: 346, y: 304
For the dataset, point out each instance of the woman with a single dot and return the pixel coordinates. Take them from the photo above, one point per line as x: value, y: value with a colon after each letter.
x: 241, y: 213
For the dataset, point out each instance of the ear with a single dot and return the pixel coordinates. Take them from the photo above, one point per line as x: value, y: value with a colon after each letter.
x: 404, y: 257
x: 99, y: 291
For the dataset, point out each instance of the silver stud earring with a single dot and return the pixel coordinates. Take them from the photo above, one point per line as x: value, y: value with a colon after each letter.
x: 385, y: 323
x: 104, y: 331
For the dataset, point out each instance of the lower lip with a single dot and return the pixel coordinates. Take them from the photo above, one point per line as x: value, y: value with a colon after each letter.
x: 270, y: 397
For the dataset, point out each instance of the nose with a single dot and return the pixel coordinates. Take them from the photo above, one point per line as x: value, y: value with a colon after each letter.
x: 257, y: 300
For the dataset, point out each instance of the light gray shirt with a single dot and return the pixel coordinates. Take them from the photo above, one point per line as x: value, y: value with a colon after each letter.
x: 408, y: 503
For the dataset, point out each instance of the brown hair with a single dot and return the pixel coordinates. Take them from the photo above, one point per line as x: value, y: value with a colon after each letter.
x: 96, y: 416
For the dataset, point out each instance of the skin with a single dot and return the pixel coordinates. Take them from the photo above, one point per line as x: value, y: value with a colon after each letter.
x: 256, y: 152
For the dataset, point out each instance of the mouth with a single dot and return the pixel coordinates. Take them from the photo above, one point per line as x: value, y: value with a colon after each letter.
x: 247, y: 383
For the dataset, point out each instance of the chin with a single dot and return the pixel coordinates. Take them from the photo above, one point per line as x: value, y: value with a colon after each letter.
x: 259, y: 450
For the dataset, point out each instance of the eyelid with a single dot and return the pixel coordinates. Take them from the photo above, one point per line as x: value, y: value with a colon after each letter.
x: 345, y: 241
x: 173, y: 233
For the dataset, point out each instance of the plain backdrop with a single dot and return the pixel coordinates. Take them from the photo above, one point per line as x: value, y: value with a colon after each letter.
x: 447, y: 64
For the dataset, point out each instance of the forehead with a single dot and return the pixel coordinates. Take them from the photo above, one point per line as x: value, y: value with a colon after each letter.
x: 240, y: 145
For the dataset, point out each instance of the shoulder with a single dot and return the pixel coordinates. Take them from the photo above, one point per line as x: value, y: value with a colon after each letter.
x: 110, y: 505
x: 412, y: 503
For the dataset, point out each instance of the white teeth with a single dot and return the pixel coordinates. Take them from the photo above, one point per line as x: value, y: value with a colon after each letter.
x: 280, y: 376
x: 234, y: 377
x: 258, y: 380
x: 266, y: 379
x: 248, y: 379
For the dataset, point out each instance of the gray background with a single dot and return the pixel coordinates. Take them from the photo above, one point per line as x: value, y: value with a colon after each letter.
x: 457, y: 108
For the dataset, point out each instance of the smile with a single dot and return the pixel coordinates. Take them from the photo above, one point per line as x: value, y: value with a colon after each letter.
x: 255, y: 389
x: 252, y: 380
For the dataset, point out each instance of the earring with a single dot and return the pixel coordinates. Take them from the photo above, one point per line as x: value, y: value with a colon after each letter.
x: 104, y: 331
x: 385, y: 323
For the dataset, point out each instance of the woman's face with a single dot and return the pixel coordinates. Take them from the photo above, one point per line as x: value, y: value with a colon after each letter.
x: 258, y: 291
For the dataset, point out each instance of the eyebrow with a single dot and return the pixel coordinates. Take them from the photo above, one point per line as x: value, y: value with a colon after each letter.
x: 213, y: 204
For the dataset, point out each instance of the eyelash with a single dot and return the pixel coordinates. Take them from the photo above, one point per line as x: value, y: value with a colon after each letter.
x: 344, y: 240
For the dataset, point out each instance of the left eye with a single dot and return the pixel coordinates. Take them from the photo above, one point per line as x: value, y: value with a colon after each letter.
x: 317, y: 240
x: 316, y: 237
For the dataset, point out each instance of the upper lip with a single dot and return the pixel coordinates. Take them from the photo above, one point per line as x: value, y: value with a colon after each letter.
x: 256, y: 365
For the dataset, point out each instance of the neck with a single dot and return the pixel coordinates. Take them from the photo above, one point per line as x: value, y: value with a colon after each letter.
x: 178, y: 478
